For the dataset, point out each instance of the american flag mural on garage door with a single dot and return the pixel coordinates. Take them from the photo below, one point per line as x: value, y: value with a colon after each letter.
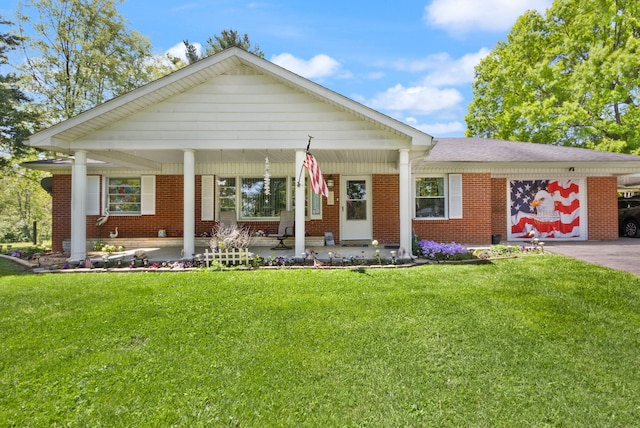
x: 551, y: 208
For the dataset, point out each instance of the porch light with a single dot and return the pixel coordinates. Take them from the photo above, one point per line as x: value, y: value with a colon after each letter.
x: 330, y: 181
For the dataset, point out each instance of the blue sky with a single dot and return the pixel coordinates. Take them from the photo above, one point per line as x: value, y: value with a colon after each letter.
x: 410, y: 59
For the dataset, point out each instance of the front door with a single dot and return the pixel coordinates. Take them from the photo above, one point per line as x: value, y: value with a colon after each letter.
x: 355, y: 209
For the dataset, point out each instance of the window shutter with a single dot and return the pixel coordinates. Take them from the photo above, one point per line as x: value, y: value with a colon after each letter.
x: 148, y: 195
x: 207, y: 211
x: 93, y: 195
x: 455, y: 195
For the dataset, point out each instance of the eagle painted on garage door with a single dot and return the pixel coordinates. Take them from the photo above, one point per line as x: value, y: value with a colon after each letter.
x: 550, y: 208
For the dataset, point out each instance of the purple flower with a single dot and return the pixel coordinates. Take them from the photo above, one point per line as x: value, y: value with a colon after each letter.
x: 439, y: 251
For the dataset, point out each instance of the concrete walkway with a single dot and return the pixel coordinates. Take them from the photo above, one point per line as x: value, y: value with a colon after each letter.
x: 622, y: 254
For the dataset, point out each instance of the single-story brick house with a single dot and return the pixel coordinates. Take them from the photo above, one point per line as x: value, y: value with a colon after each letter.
x: 173, y: 154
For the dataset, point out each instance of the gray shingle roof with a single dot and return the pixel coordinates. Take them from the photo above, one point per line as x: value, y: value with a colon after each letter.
x: 489, y: 150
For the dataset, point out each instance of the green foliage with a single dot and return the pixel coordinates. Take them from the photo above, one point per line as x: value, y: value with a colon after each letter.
x: 191, y: 52
x: 83, y: 54
x: 23, y: 201
x: 17, y: 118
x: 215, y: 265
x: 218, y: 43
x: 570, y: 77
x: 229, y: 38
x: 438, y: 345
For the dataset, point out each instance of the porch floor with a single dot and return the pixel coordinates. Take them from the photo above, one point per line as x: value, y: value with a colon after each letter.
x: 172, y: 253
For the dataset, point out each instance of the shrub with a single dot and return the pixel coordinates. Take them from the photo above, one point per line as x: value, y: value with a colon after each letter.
x: 230, y: 236
x: 438, y: 251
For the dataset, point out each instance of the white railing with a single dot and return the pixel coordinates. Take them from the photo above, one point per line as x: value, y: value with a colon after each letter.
x: 229, y: 256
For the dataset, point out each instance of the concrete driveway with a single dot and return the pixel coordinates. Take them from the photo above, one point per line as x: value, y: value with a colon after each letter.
x: 622, y: 254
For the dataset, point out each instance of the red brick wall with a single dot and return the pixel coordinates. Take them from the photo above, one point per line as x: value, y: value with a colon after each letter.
x: 602, y: 207
x: 60, y: 211
x: 499, y: 207
x: 484, y: 212
x: 330, y: 215
x: 386, y: 208
x: 476, y: 224
x: 169, y: 203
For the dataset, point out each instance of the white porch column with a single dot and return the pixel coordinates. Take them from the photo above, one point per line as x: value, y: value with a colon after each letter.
x: 405, y: 201
x: 78, y: 206
x: 189, y: 216
x: 299, y: 214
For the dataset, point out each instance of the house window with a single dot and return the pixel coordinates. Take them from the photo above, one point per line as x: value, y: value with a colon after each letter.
x: 124, y: 195
x: 311, y: 200
x: 431, y: 197
x: 256, y: 204
x: 246, y: 196
x: 227, y: 193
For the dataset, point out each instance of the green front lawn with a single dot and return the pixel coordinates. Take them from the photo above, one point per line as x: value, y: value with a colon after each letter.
x: 537, y: 341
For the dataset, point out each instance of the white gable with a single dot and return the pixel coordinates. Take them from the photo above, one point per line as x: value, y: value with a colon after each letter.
x: 233, y: 102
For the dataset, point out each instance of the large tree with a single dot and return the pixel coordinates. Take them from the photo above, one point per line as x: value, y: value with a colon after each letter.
x: 569, y: 77
x: 82, y: 53
x: 17, y: 118
x: 219, y: 42
x: 23, y: 201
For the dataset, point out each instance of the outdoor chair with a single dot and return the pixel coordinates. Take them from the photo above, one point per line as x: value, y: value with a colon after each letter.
x: 285, y: 229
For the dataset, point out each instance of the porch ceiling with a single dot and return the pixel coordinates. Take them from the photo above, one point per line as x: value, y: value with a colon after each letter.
x: 153, y: 159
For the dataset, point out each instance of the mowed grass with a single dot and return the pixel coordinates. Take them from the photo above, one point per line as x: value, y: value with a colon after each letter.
x: 538, y: 341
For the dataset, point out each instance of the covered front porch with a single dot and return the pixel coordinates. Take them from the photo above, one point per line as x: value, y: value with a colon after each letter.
x: 158, y: 157
x: 159, y: 250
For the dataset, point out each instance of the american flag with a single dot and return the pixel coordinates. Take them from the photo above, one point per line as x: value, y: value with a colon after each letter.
x: 318, y: 185
x: 551, y: 208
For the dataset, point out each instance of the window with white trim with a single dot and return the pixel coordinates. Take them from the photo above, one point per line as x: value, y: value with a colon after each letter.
x: 226, y: 193
x: 131, y: 195
x: 246, y: 196
x: 256, y: 204
x: 438, y: 197
x: 430, y: 193
x: 124, y: 195
x: 312, y: 201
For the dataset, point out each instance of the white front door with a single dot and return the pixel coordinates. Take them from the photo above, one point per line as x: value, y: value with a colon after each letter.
x: 355, y: 209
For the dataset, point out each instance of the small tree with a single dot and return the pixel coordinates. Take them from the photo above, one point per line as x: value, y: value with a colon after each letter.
x: 218, y: 43
x: 229, y: 38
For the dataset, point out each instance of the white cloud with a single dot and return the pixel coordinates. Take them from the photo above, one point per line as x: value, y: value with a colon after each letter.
x: 457, y: 72
x: 463, y: 16
x: 416, y: 100
x: 319, y: 66
x: 444, y: 70
x: 179, y: 50
x: 438, y: 129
